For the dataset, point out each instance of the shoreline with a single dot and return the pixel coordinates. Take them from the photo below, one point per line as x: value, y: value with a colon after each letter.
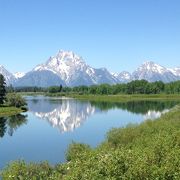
x: 9, y: 111
x: 149, y: 144
x: 115, y: 98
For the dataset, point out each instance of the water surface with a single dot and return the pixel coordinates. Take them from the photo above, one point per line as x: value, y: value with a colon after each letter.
x: 50, y: 125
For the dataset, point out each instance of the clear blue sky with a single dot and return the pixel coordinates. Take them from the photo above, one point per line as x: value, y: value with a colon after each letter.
x: 116, y: 34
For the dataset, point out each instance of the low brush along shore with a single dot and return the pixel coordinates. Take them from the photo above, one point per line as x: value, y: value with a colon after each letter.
x: 10, y: 111
x: 150, y: 150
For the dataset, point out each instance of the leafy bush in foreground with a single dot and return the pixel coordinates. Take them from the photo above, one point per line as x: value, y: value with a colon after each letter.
x: 13, y: 99
x: 75, y: 150
x: 150, y: 150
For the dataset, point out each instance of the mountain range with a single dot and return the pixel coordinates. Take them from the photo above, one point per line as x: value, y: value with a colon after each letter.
x: 69, y: 69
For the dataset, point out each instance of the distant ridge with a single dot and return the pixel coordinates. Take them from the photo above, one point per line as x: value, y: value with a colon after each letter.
x: 69, y: 69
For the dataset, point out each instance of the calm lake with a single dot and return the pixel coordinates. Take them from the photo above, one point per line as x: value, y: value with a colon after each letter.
x: 50, y: 125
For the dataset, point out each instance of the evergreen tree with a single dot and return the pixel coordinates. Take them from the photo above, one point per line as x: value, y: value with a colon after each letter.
x: 60, y: 88
x: 2, y: 89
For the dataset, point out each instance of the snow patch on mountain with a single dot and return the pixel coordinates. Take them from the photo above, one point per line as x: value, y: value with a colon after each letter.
x: 123, y: 77
x: 151, y: 72
x: 152, y: 67
x: 175, y: 71
x: 73, y: 70
x: 9, y: 77
x: 18, y: 75
x: 70, y: 69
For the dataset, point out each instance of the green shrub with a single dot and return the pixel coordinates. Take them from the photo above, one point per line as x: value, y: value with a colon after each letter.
x: 13, y: 99
x: 75, y: 150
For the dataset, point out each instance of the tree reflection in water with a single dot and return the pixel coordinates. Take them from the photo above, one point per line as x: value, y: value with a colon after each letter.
x: 11, y: 124
x: 136, y: 107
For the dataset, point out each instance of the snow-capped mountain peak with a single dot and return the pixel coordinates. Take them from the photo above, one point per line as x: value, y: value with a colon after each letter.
x: 64, y: 56
x: 69, y: 69
x: 19, y: 75
x: 9, y: 77
x: 153, y: 67
x: 151, y: 71
x: 73, y: 70
x: 123, y: 77
x: 175, y: 71
x: 65, y: 63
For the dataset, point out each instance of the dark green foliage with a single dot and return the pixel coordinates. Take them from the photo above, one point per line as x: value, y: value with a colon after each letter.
x: 75, y: 150
x: 80, y: 89
x: 150, y: 150
x: 10, y: 89
x: 24, y: 108
x: 172, y: 88
x: 55, y: 89
x: 31, y: 171
x: 30, y: 89
x: 133, y: 87
x: 2, y: 126
x: 2, y: 89
x: 137, y: 87
x: 13, y: 99
x: 10, y: 124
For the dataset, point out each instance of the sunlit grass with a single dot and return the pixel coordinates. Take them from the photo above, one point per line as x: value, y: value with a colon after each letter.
x: 8, y: 111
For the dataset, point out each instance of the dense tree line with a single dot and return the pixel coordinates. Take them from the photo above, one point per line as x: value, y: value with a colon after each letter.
x: 133, y: 87
x: 26, y: 89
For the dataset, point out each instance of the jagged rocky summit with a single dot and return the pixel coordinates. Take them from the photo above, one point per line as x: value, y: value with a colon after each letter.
x: 69, y: 69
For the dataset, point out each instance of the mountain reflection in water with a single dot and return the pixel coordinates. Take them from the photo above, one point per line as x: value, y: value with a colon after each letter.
x: 69, y: 114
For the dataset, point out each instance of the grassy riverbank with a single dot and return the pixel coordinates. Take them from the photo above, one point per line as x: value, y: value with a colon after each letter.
x: 12, y: 105
x: 9, y: 111
x: 32, y: 93
x: 150, y: 150
x: 127, y: 97
x: 114, y: 98
x: 120, y: 97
